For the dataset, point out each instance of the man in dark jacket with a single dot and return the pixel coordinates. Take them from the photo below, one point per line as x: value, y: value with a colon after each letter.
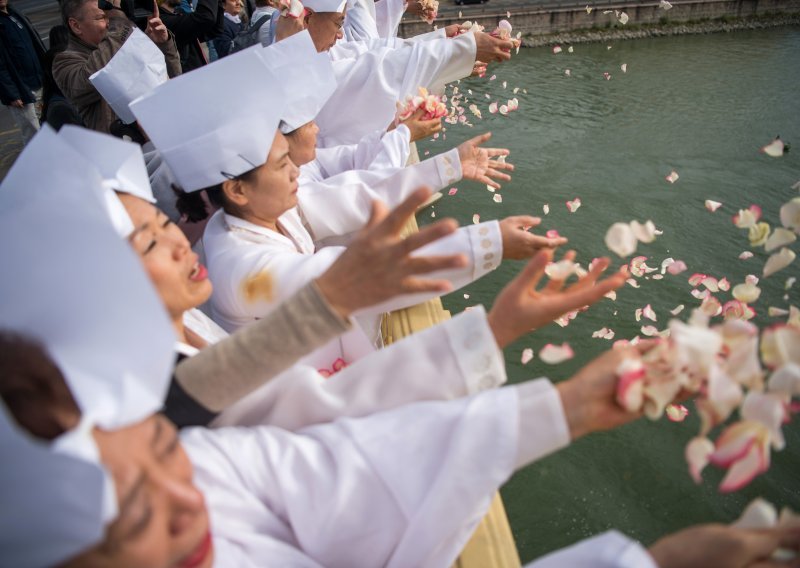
x: 21, y: 54
x: 190, y: 29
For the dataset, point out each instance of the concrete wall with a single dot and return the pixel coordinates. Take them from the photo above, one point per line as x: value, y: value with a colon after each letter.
x: 553, y: 19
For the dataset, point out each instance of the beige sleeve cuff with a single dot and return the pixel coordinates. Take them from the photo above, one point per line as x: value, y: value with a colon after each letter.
x: 225, y: 372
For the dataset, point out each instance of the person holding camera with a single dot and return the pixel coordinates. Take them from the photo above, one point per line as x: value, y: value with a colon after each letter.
x: 97, y: 29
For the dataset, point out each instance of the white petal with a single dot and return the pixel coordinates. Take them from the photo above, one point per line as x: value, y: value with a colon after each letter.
x: 747, y: 293
x: 785, y: 380
x: 672, y: 177
x: 497, y: 198
x: 790, y: 214
x: 527, y: 355
x: 745, y: 255
x: 712, y: 205
x: 778, y: 261
x: 697, y: 452
x: 546, y: 209
x: 621, y: 240
x: 677, y: 309
x: 555, y: 354
x: 759, y: 514
x: 779, y: 238
x: 646, y: 232
x: 774, y: 149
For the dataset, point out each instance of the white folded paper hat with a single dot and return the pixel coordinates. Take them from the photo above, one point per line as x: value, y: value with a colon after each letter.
x: 326, y: 5
x: 135, y: 70
x: 74, y: 287
x: 307, y: 77
x: 121, y: 166
x: 216, y: 122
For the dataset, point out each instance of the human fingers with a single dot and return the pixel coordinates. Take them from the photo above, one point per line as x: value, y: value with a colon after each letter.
x: 427, y: 235
x: 588, y: 296
x: 395, y: 220
x: 428, y: 264
x: 554, y: 284
x: 155, y: 9
x: 421, y: 285
x: 530, y: 276
x: 492, y: 173
x: 495, y: 165
x: 378, y: 213
x: 492, y: 152
x: 598, y: 267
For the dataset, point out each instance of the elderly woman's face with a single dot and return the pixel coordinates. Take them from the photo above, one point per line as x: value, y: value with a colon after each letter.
x: 181, y: 281
x: 162, y: 521
x: 325, y: 28
x: 303, y: 143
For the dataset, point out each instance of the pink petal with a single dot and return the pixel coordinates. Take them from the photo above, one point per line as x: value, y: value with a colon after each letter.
x: 696, y: 278
x: 724, y: 285
x: 734, y: 443
x: 527, y: 355
x: 712, y: 205
x: 497, y: 198
x: 676, y: 267
x: 630, y: 385
x: 711, y: 306
x: 555, y: 354
x: 553, y: 234
x: 452, y: 191
x: 769, y: 410
x: 745, y: 255
x: 649, y: 313
x: 745, y: 470
x: 493, y: 108
x: 556, y: 49
x: 607, y: 76
x: 785, y: 380
x: 649, y: 330
x: 574, y: 205
x: 697, y: 452
x: 672, y: 177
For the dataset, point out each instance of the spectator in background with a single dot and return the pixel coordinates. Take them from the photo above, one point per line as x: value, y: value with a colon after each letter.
x: 233, y: 25
x: 263, y: 10
x: 21, y: 55
x: 95, y: 35
x: 190, y: 29
x: 56, y: 109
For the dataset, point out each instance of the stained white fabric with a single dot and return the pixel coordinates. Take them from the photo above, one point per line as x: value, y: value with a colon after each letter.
x: 453, y: 359
x: 370, y: 85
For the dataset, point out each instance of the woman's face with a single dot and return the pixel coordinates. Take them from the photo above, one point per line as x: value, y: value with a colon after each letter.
x: 163, y: 521
x: 181, y: 281
x: 271, y: 190
x: 233, y: 7
x: 303, y: 143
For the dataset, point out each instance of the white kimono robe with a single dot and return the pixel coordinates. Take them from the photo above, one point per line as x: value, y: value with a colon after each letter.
x: 236, y: 250
x: 403, y: 488
x: 370, y: 85
x: 388, y: 14
x: 450, y: 360
x: 378, y: 151
x: 360, y: 21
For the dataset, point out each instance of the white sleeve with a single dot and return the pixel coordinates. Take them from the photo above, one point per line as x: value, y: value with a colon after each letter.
x: 435, y: 34
x: 482, y: 244
x: 388, y: 14
x: 359, y: 21
x: 379, y: 150
x: 400, y: 488
x: 350, y: 195
x: 289, y: 271
x: 370, y: 86
x: 456, y: 358
x: 608, y: 550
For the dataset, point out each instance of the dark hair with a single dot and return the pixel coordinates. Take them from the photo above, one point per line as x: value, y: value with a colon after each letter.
x: 33, y: 388
x: 195, y: 208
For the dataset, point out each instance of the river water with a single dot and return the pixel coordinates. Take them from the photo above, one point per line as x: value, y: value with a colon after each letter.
x: 703, y: 106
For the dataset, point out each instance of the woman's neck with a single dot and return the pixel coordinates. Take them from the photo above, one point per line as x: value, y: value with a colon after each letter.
x: 271, y: 224
x: 186, y: 335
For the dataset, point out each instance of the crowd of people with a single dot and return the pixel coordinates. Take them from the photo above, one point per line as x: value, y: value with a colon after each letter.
x: 197, y: 259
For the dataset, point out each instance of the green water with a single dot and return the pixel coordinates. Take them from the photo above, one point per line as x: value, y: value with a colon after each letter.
x: 702, y: 105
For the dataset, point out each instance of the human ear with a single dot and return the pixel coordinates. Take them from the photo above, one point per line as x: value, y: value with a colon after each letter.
x: 234, y: 191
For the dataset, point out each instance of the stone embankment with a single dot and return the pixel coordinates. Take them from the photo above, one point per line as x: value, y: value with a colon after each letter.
x: 718, y: 25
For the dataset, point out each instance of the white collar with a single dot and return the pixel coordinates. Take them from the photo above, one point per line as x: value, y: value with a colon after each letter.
x: 237, y: 19
x: 186, y: 349
x: 297, y: 237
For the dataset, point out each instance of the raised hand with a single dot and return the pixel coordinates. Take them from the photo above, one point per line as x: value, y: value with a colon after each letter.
x: 419, y: 128
x: 378, y: 265
x: 521, y: 308
x: 726, y: 547
x: 477, y: 165
x: 519, y: 243
x: 156, y: 30
x: 490, y: 48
